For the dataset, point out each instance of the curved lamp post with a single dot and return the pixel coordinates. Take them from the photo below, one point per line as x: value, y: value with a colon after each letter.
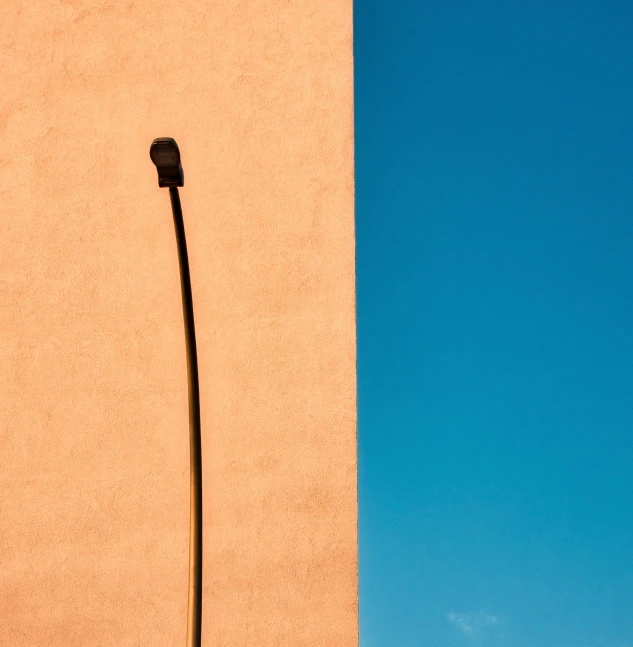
x: 166, y: 156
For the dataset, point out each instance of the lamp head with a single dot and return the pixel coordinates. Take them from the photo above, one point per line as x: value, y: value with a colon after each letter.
x: 166, y: 156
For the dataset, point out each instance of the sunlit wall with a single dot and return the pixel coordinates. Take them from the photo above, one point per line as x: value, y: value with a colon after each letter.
x: 94, y: 455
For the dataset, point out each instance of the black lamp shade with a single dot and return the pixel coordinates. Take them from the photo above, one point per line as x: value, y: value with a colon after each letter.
x: 165, y: 154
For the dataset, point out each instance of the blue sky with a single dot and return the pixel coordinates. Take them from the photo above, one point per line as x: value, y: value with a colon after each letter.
x: 494, y: 220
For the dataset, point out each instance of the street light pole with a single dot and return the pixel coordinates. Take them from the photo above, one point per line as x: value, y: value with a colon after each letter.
x: 166, y: 156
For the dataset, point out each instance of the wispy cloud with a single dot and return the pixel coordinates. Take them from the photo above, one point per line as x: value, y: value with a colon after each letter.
x: 470, y: 622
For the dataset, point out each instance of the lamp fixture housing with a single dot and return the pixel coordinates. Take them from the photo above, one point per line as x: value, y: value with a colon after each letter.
x: 165, y: 154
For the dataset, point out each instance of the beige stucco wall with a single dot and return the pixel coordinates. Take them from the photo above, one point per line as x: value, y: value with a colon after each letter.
x: 94, y: 462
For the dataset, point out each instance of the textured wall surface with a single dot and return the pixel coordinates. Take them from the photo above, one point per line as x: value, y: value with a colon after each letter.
x: 94, y: 457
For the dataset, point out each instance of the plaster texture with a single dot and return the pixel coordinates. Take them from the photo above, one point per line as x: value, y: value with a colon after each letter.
x: 94, y: 456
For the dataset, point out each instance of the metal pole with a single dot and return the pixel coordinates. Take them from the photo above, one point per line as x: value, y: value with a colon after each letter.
x: 194, y: 611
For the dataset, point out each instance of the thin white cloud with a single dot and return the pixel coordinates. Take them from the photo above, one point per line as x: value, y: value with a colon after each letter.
x: 470, y: 622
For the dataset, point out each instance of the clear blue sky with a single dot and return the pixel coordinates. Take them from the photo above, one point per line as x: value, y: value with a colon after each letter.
x: 494, y: 219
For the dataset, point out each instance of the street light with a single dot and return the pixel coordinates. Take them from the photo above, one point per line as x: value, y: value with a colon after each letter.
x: 166, y: 156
